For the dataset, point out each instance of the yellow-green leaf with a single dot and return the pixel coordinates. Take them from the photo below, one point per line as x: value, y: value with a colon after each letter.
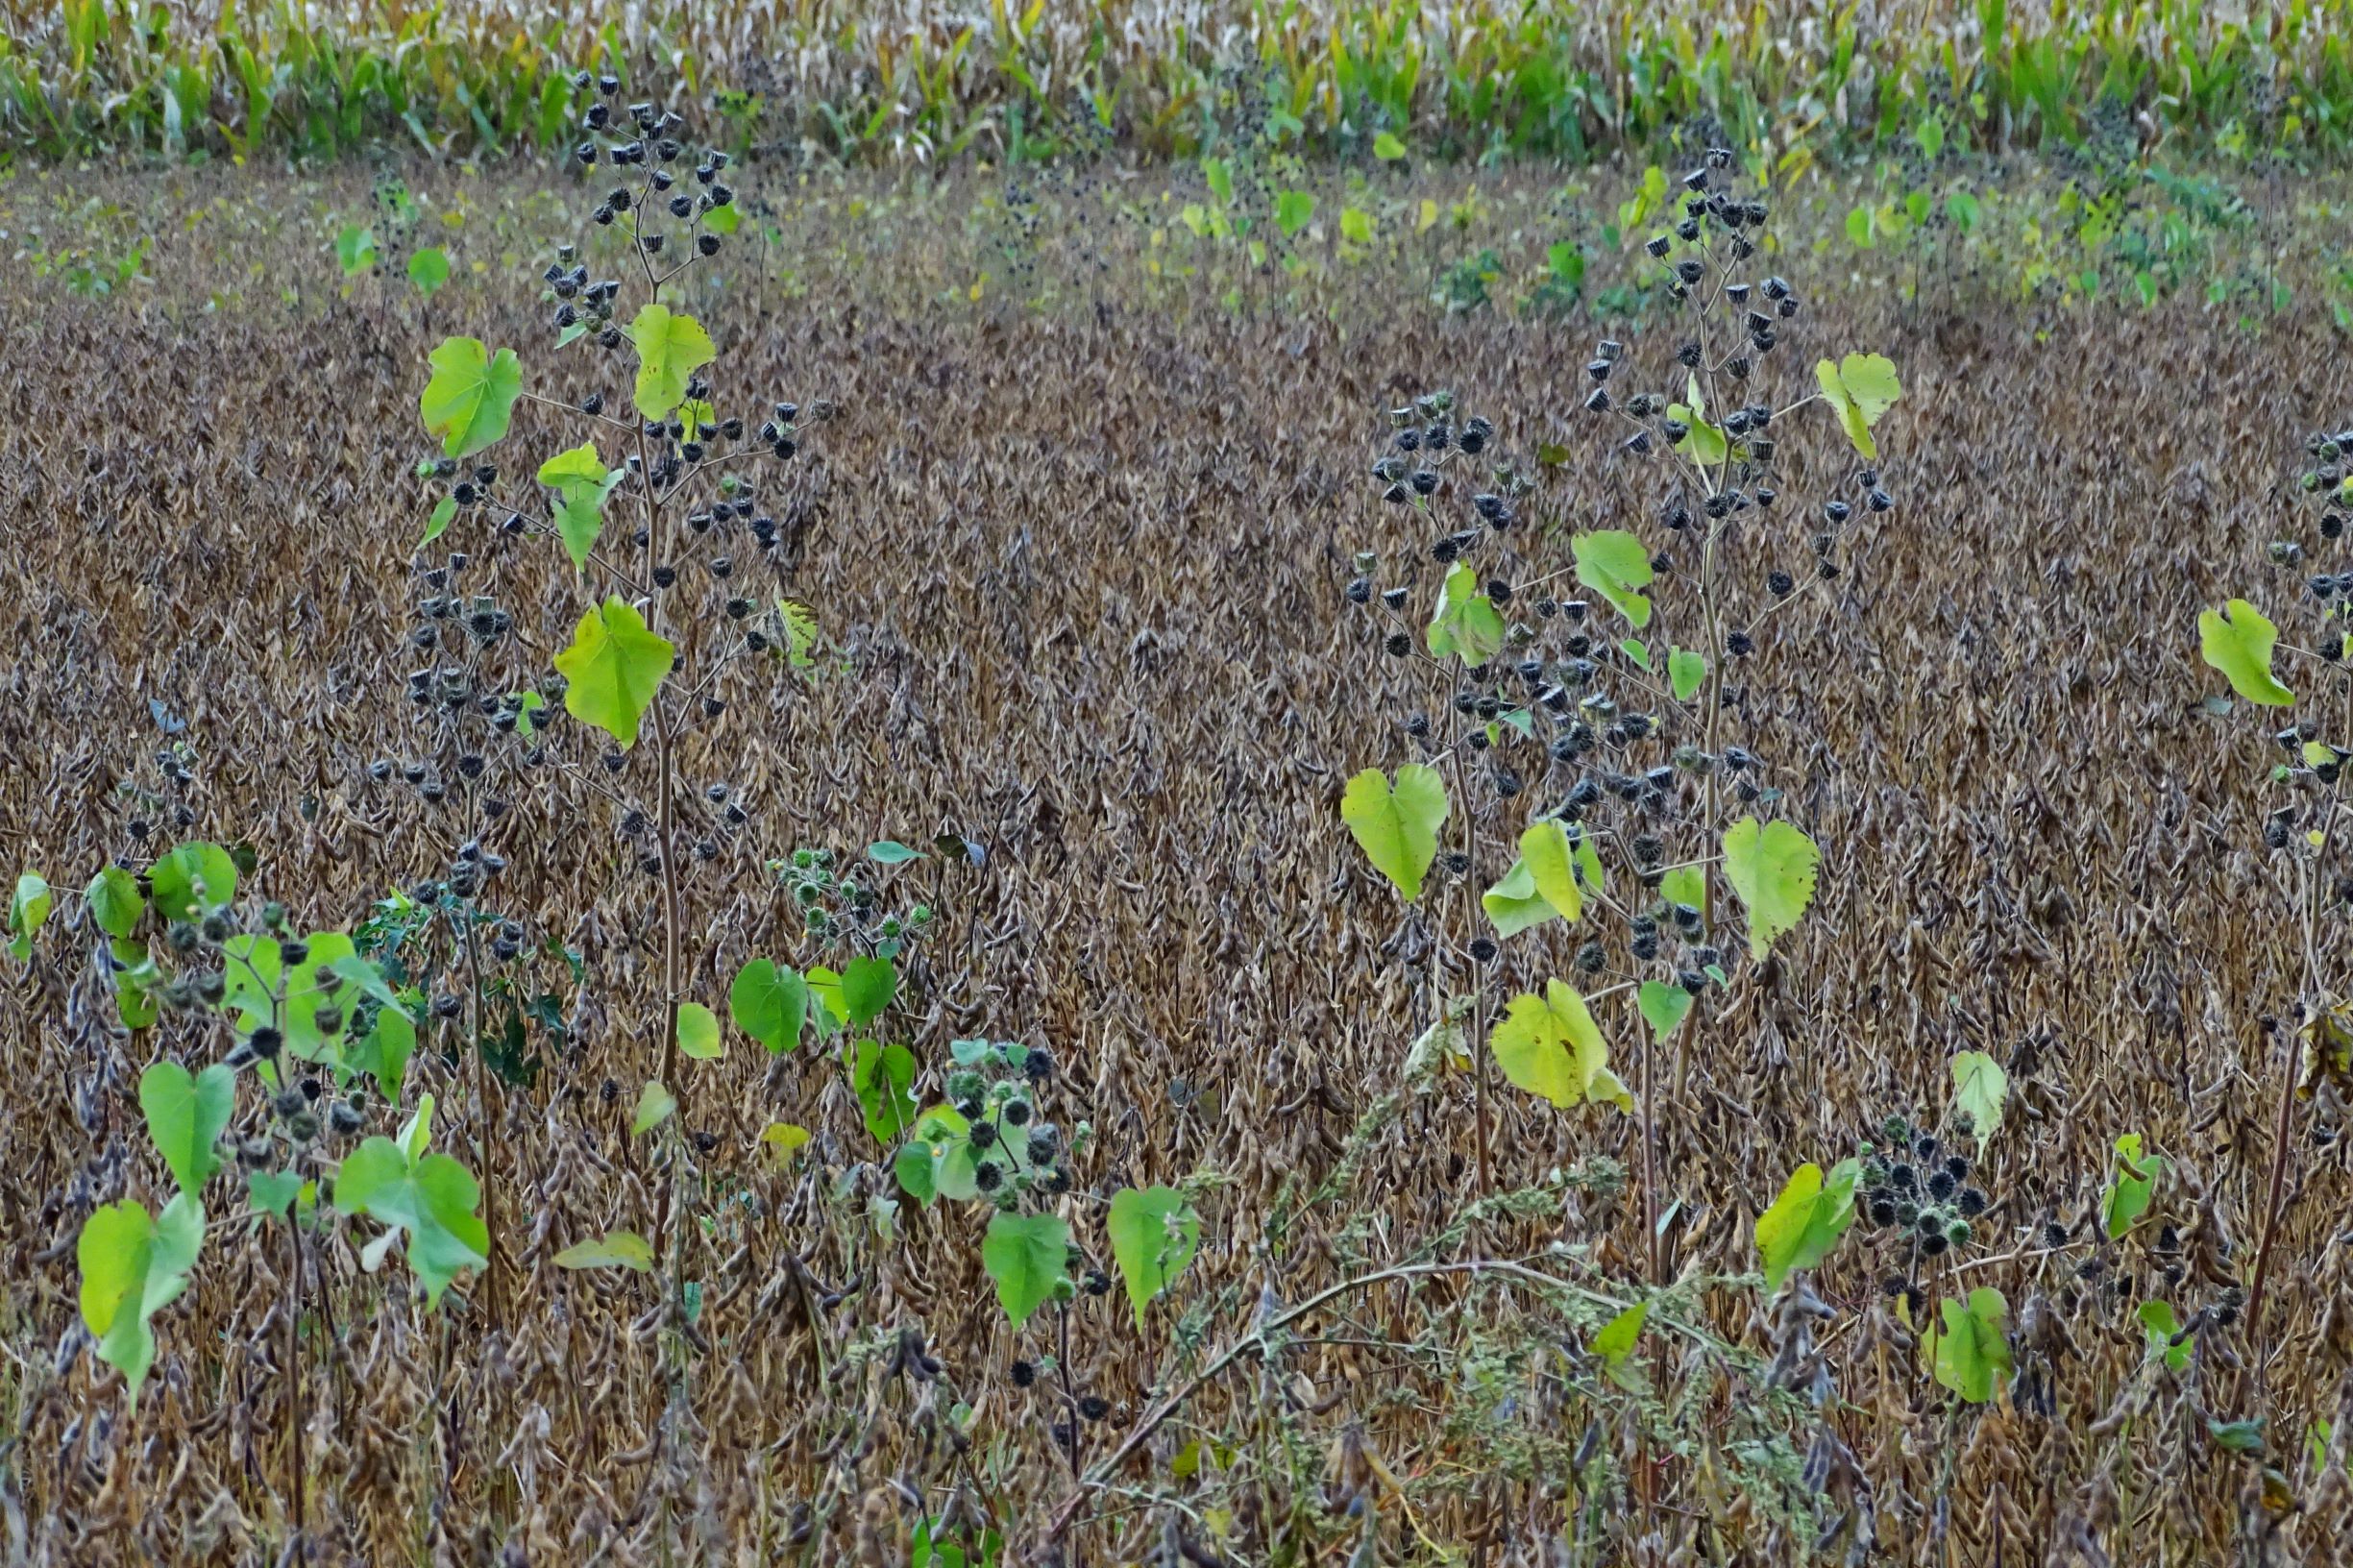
x: 699, y: 1032
x: 471, y: 395
x: 1770, y: 865
x: 1860, y: 388
x: 1397, y: 827
x: 1971, y: 1352
x: 1806, y: 1220
x: 1551, y: 862
x: 613, y: 669
x: 2238, y: 643
x: 1550, y: 1047
x: 1613, y: 564
x: 1980, y: 1087
x: 670, y: 349
x: 621, y: 1249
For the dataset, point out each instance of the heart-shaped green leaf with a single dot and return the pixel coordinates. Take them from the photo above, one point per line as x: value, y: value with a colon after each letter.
x: 1397, y: 827
x: 769, y: 1004
x: 669, y: 349
x: 1770, y: 865
x: 471, y: 395
x: 1025, y: 1256
x: 613, y: 669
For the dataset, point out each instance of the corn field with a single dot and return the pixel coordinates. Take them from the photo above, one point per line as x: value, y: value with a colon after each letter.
x: 920, y: 84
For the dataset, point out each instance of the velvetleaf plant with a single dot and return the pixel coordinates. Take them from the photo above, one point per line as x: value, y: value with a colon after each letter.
x: 659, y: 510
x: 1611, y: 712
x: 2303, y: 834
x: 201, y: 968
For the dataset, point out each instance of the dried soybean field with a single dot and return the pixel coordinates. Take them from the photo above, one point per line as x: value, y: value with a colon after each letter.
x: 1103, y: 1151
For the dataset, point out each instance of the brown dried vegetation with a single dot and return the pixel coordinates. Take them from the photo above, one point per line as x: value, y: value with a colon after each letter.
x: 1088, y: 563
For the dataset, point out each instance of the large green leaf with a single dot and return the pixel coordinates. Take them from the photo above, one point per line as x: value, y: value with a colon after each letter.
x: 1806, y: 1220
x: 1468, y: 623
x: 2131, y: 1188
x: 1153, y: 1234
x: 669, y: 349
x: 1397, y: 828
x: 937, y: 1159
x: 1971, y: 1352
x: 2238, y: 643
x: 115, y: 901
x: 1550, y: 1046
x: 1552, y: 863
x: 614, y: 668
x: 1613, y: 564
x: 868, y: 986
x: 472, y: 395
x: 431, y: 1198
x: 193, y: 879
x: 767, y: 1003
x: 1025, y: 1256
x: 185, y: 1117
x: 883, y: 1078
x: 582, y: 483
x: 28, y: 912
x: 1771, y: 867
x: 132, y: 1268
x: 1980, y: 1087
x: 1859, y: 388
